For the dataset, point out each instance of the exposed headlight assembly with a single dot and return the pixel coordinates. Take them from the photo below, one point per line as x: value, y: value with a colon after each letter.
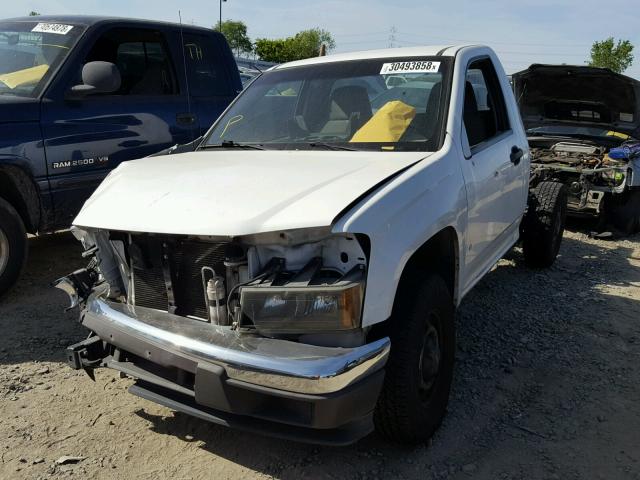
x: 296, y: 307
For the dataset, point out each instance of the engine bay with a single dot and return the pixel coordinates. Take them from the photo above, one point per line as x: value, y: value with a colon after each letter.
x: 288, y: 284
x: 583, y: 166
x: 575, y: 154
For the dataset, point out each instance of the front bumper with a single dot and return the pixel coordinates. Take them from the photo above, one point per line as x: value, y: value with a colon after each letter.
x: 228, y: 378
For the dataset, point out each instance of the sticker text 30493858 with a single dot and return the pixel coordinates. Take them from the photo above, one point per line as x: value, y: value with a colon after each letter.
x: 410, y: 67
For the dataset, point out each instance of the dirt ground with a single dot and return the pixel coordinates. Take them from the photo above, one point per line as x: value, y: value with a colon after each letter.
x: 547, y: 386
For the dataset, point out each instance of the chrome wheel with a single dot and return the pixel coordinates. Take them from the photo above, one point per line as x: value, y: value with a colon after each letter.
x: 4, y: 251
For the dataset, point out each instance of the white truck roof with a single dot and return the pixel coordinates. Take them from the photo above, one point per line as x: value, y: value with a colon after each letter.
x: 421, y: 51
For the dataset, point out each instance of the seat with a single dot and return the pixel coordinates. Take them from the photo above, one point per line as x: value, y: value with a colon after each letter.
x: 433, y: 107
x: 350, y: 109
x: 474, y: 120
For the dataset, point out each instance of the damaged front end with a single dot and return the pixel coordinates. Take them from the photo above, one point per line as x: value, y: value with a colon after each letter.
x: 259, y: 332
x: 592, y: 177
x: 574, y: 116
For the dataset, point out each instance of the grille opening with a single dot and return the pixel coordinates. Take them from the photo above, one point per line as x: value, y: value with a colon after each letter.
x: 162, y: 261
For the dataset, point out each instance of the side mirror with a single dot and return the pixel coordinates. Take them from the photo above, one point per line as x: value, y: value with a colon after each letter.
x: 97, y: 77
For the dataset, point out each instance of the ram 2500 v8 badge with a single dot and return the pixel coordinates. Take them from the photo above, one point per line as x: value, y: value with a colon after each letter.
x: 298, y: 273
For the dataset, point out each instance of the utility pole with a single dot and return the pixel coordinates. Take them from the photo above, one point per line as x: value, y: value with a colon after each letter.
x: 220, y: 24
x: 392, y: 37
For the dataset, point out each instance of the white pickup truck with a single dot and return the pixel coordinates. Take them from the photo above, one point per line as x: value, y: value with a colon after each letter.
x: 298, y: 274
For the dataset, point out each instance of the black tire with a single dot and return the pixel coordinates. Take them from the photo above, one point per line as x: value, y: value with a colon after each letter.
x: 13, y: 246
x: 415, y: 394
x: 625, y: 215
x: 543, y: 225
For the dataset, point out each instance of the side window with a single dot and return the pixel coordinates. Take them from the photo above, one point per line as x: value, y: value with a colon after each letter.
x: 485, y: 113
x: 206, y: 72
x: 142, y: 59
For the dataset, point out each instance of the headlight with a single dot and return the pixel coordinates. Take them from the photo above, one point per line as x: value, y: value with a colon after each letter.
x: 305, y: 309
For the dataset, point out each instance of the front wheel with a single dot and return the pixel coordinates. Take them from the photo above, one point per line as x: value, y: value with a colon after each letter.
x: 13, y: 246
x: 418, y: 375
x: 543, y: 224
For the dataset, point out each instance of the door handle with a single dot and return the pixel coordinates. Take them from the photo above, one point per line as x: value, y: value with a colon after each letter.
x: 516, y: 155
x: 185, y: 118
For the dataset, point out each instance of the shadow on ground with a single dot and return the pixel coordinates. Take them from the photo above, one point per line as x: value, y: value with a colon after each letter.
x: 542, y: 357
x: 33, y: 321
x: 528, y: 345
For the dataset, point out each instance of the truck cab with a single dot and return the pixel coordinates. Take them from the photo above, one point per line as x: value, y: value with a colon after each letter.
x: 80, y: 95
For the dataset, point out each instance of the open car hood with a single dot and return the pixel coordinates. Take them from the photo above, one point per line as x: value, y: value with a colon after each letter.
x: 240, y: 192
x: 578, y: 95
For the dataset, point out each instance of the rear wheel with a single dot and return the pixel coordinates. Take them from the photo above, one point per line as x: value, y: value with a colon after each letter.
x: 13, y: 246
x: 543, y: 225
x: 418, y: 374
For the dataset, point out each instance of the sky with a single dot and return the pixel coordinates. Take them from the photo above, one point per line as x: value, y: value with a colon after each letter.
x: 522, y: 32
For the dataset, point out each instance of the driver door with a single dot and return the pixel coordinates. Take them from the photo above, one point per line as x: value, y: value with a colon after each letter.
x: 494, y: 172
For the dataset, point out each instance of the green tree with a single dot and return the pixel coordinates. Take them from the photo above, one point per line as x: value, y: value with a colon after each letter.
x: 278, y: 50
x: 608, y: 54
x: 307, y: 43
x: 236, y: 34
x: 304, y: 44
x: 33, y: 14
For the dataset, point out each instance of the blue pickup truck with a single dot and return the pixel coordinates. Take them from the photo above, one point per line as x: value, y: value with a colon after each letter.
x: 79, y: 95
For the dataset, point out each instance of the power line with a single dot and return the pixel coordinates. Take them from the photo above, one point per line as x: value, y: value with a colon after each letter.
x: 421, y: 35
x: 359, y: 42
x: 339, y: 35
x: 555, y: 53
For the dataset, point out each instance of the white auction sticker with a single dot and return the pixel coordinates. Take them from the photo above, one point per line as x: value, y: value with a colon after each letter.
x: 410, y: 67
x: 58, y: 28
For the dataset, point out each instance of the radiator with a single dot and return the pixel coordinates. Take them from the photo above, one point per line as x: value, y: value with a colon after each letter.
x: 166, y: 267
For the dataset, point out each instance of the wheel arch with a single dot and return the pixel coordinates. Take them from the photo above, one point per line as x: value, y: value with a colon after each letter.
x: 439, y: 254
x: 18, y: 188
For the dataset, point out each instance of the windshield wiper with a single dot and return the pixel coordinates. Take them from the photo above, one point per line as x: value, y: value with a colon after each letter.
x: 329, y: 146
x: 232, y: 144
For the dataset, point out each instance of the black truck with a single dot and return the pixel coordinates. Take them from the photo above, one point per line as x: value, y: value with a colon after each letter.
x: 79, y: 95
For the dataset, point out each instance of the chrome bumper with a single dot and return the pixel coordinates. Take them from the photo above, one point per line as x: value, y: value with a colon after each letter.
x: 176, y: 341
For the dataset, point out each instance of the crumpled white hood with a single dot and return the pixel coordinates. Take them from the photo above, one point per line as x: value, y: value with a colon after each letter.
x: 240, y: 192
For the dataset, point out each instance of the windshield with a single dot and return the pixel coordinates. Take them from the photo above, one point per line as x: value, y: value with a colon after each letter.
x: 29, y: 52
x: 384, y: 104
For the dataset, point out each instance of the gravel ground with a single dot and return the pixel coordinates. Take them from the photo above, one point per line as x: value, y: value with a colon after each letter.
x: 547, y: 386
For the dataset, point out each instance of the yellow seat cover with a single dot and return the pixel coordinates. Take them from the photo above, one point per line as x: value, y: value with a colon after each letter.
x: 387, y: 125
x: 28, y: 76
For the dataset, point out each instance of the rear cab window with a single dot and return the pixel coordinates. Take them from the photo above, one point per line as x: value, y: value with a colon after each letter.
x: 206, y: 68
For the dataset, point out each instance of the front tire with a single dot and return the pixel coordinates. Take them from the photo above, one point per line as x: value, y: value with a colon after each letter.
x: 419, y: 372
x: 13, y: 246
x: 543, y: 225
